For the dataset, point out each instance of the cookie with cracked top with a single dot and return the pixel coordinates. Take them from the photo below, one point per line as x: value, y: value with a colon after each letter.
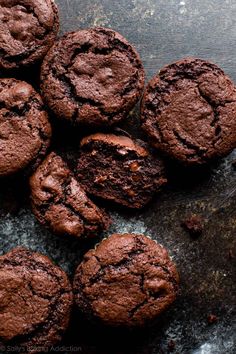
x: 128, y: 280
x: 36, y: 300
x: 92, y: 77
x: 28, y: 28
x: 25, y: 131
x: 60, y: 203
x: 189, y: 111
x: 119, y: 169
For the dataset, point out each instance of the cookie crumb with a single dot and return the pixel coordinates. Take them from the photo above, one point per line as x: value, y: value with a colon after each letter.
x: 212, y: 319
x: 193, y: 224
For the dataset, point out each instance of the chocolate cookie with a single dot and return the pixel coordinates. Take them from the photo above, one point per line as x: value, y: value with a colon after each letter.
x: 36, y: 300
x: 28, y: 29
x: 92, y: 77
x: 128, y: 280
x: 25, y: 131
x: 119, y: 169
x: 189, y: 111
x: 60, y: 203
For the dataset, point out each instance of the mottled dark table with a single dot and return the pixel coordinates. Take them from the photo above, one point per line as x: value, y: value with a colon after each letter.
x: 162, y: 31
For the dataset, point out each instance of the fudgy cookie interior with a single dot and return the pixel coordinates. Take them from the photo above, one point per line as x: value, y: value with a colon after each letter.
x: 120, y: 170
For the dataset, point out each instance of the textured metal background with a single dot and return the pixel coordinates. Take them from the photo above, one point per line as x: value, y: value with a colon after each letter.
x: 162, y: 31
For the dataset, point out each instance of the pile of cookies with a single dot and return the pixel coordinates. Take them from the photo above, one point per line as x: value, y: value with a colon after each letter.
x: 92, y: 79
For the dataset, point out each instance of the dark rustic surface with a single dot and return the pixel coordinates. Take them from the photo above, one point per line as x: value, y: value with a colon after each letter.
x: 162, y: 31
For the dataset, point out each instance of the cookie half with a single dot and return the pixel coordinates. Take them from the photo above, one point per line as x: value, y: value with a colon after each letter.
x: 92, y: 77
x: 61, y: 204
x: 128, y: 280
x: 189, y: 111
x: 119, y: 169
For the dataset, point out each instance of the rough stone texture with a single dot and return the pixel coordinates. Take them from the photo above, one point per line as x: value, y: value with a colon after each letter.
x: 128, y: 280
x: 162, y: 31
x: 92, y: 77
x: 36, y: 301
x: 189, y: 110
x: 25, y: 130
x: 61, y: 204
x: 28, y: 29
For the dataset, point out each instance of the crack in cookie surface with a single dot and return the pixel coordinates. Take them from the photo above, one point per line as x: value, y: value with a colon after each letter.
x: 185, y: 110
x: 127, y: 280
x: 95, y: 76
x: 25, y: 129
x: 119, y: 169
x: 60, y: 203
x: 28, y: 29
x: 37, y: 299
